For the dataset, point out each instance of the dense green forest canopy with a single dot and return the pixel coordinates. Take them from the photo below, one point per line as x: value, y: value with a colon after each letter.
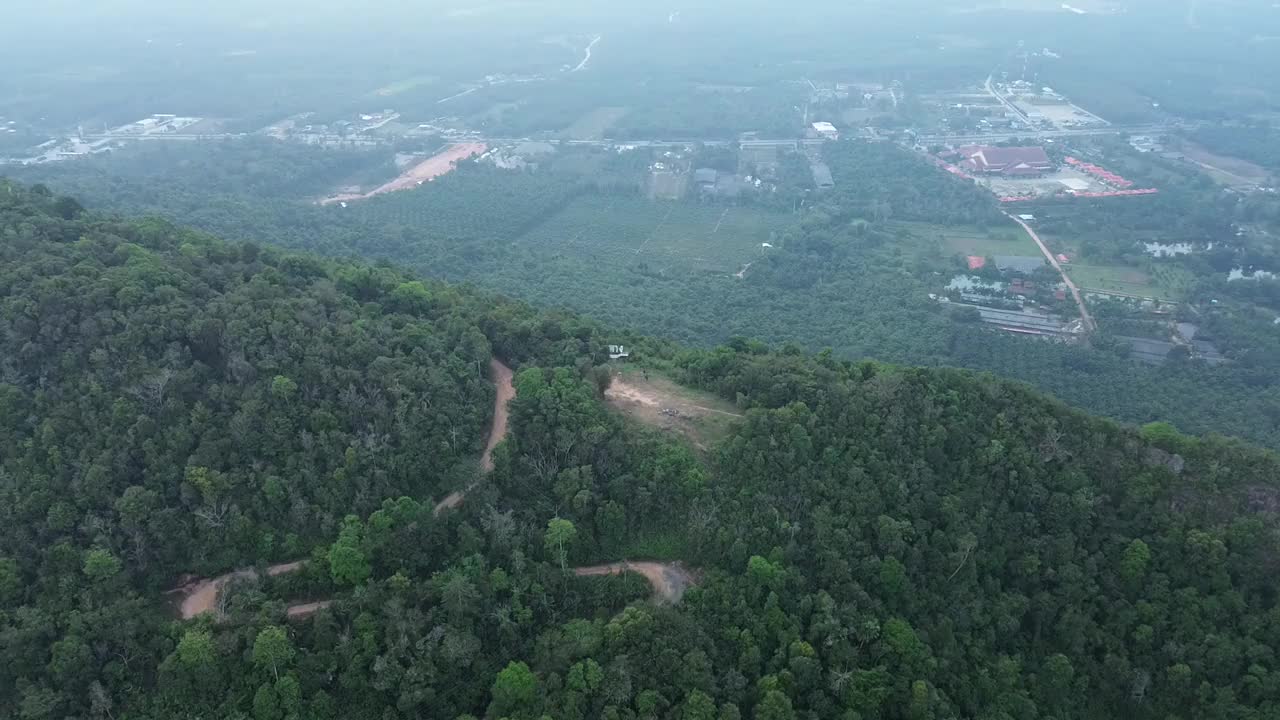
x: 869, y: 541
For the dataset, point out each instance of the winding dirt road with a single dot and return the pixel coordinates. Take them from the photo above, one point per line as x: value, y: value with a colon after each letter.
x: 669, y: 580
x: 501, y: 376
x: 1085, y: 317
x: 200, y: 595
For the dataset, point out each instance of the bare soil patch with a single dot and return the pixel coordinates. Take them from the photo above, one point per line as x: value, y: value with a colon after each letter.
x: 302, y: 610
x: 200, y: 595
x: 425, y: 171
x: 1236, y: 169
x: 669, y: 580
x: 659, y: 402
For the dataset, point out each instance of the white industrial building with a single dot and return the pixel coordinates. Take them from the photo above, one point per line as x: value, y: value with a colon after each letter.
x: 826, y: 130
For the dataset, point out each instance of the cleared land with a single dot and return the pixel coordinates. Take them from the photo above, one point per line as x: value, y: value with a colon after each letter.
x: 200, y: 595
x: 405, y: 85
x: 595, y: 124
x: 1051, y: 184
x: 1165, y: 283
x: 670, y: 238
x: 1129, y: 281
x: 1226, y: 170
x: 425, y: 171
x: 658, y: 402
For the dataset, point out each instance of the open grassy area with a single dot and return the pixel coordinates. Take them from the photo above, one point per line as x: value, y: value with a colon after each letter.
x: 405, y: 85
x: 669, y: 237
x: 1166, y: 283
x: 653, y: 399
x: 595, y: 124
x: 975, y: 240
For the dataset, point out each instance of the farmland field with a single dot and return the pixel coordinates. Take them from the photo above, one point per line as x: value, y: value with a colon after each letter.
x: 670, y: 238
x: 1165, y: 283
x: 405, y: 85
x: 975, y: 240
x: 594, y: 125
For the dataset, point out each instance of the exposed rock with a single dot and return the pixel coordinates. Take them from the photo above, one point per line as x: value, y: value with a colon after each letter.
x: 1172, y: 462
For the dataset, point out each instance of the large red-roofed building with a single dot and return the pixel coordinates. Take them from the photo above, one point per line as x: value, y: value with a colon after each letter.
x: 1008, y: 161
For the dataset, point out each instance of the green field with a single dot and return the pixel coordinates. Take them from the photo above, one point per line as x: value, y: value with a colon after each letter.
x: 975, y: 240
x: 594, y: 125
x: 671, y: 238
x: 405, y: 85
x: 1164, y: 283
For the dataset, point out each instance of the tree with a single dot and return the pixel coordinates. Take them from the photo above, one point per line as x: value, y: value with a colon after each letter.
x: 514, y: 691
x: 10, y: 579
x: 698, y: 706
x: 266, y: 706
x: 559, y: 536
x: 764, y: 573
x: 1133, y: 566
x: 272, y: 649
x: 347, y: 561
x: 775, y: 706
x: 196, y: 649
x: 100, y: 565
x: 283, y: 388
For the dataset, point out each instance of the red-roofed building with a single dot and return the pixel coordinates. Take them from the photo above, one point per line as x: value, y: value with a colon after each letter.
x: 1008, y: 161
x: 976, y: 262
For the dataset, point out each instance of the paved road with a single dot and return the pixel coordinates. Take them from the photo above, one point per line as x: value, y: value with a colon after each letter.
x: 1005, y: 101
x: 1085, y: 317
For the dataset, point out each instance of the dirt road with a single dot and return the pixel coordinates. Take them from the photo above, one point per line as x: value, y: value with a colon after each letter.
x: 501, y: 376
x: 1085, y: 317
x: 201, y: 595
x: 302, y: 610
x: 425, y: 171
x: 669, y: 580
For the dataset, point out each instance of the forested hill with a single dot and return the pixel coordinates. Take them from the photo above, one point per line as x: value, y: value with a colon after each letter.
x: 867, y: 542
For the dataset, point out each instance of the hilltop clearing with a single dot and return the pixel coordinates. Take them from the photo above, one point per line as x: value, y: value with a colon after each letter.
x: 657, y: 401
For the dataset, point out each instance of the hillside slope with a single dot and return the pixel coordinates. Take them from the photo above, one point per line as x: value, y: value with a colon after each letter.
x: 868, y: 541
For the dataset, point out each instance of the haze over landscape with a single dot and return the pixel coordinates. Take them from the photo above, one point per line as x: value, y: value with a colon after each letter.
x: 572, y: 360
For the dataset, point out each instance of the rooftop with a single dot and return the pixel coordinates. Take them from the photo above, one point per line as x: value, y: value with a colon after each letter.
x: 1009, y: 160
